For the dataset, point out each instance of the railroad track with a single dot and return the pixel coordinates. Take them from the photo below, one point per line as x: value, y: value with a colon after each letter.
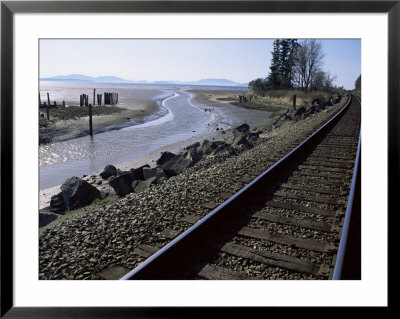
x: 290, y: 222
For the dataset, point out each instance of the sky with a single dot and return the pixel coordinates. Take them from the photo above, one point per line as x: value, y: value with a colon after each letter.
x: 239, y: 60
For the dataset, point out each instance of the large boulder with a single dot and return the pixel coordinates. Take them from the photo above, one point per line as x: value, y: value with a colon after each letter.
x: 45, y: 218
x: 156, y: 172
x: 108, y: 171
x: 252, y: 137
x: 316, y: 101
x: 209, y: 148
x: 194, y: 145
x: 241, y: 140
x: 222, y: 148
x: 173, y: 164
x: 122, y: 184
x: 241, y: 130
x: 78, y: 193
x: 176, y: 166
x: 57, y: 203
x: 137, y: 173
x: 165, y: 157
x: 194, y: 155
x: 140, y: 186
x: 299, y: 112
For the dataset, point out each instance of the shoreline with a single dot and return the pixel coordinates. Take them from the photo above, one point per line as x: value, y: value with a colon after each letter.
x: 211, y: 133
x: 65, y: 130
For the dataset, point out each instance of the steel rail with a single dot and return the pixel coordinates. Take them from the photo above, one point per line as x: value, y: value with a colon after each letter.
x: 338, y: 268
x: 157, y: 262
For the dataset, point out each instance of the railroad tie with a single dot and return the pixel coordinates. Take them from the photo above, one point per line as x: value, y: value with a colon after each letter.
x: 309, y: 198
x: 312, y: 189
x: 145, y: 250
x: 214, y: 272
x: 304, y: 209
x: 210, y: 206
x: 304, y: 223
x: 169, y: 233
x: 276, y: 260
x: 190, y: 219
x: 288, y: 240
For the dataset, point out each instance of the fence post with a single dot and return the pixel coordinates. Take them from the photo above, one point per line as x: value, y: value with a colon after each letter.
x: 90, y: 120
x: 294, y: 102
x: 47, y: 111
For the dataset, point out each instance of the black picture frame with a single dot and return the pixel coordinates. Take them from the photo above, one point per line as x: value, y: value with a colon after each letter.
x: 9, y: 8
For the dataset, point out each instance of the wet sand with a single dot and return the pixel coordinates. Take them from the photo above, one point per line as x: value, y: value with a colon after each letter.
x: 70, y: 129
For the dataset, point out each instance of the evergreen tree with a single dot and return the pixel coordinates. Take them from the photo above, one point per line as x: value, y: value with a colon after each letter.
x: 283, y: 60
x: 358, y: 83
x: 274, y: 77
x: 287, y: 59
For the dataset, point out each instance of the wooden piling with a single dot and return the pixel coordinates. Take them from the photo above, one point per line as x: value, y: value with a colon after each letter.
x: 94, y: 97
x: 48, y: 99
x: 90, y: 120
x: 294, y: 102
x: 63, y: 103
x: 47, y: 110
x: 40, y: 101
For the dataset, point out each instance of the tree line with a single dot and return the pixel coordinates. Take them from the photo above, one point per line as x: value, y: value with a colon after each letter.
x: 295, y: 64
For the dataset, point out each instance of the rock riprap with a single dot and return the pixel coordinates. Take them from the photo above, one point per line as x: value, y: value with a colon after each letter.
x: 75, y: 193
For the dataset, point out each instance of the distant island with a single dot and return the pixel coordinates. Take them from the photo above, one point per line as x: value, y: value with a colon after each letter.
x: 115, y: 79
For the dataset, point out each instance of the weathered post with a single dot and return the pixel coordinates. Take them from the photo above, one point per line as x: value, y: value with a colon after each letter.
x: 86, y: 100
x: 40, y: 101
x: 294, y: 102
x: 90, y: 120
x: 63, y: 103
x: 55, y: 104
x: 94, y: 97
x: 80, y: 100
x: 47, y: 110
x: 48, y: 99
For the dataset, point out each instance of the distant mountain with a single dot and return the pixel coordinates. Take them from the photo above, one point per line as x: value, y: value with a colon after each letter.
x: 217, y: 82
x: 206, y: 82
x: 115, y: 79
x: 86, y: 78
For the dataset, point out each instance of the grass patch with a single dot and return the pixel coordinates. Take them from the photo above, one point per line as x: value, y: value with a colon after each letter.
x: 103, y: 201
x: 44, y: 122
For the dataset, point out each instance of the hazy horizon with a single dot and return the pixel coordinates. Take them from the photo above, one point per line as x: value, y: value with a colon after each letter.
x: 184, y: 60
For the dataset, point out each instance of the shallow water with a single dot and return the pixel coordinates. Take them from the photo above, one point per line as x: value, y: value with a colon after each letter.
x: 180, y: 119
